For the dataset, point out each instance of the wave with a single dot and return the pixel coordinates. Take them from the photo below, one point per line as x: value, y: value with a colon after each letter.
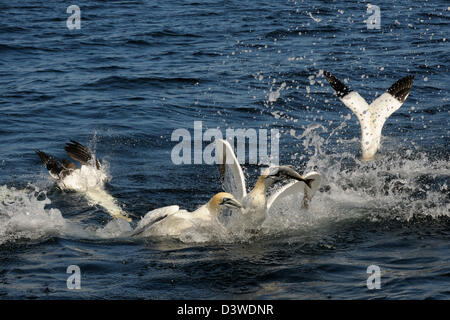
x: 12, y: 29
x: 138, y: 42
x: 280, y: 33
x: 169, y: 33
x: 128, y: 82
x: 25, y: 49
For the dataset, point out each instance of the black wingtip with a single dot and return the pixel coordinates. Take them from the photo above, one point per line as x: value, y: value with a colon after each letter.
x: 400, y: 89
x: 43, y: 156
x: 340, y: 88
x: 53, y: 165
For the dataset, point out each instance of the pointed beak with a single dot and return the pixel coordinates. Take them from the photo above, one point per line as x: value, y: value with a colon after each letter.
x: 290, y: 173
x: 233, y: 203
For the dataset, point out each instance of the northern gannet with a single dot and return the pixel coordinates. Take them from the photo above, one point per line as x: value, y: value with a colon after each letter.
x: 172, y: 222
x: 372, y: 117
x: 89, y: 178
x: 255, y: 204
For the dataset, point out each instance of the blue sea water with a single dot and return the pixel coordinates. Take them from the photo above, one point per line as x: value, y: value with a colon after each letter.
x: 138, y: 70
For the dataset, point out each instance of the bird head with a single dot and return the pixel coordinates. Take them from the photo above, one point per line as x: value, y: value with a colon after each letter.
x: 223, y: 200
x: 280, y: 173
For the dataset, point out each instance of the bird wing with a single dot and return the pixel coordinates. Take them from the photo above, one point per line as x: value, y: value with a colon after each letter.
x: 69, y: 164
x: 154, y: 216
x: 390, y: 101
x: 350, y: 98
x: 284, y: 197
x: 80, y: 153
x: 57, y: 169
x: 233, y: 180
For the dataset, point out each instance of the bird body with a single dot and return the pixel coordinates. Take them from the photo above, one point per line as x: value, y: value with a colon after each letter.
x: 372, y: 117
x: 172, y: 222
x: 255, y: 205
x: 89, y: 178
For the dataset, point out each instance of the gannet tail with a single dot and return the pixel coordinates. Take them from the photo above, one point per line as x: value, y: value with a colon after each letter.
x: 372, y: 117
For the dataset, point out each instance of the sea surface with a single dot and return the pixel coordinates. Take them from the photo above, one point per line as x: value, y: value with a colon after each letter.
x: 136, y: 71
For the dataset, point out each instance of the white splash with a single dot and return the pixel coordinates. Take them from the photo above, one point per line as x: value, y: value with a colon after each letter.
x: 84, y: 179
x: 317, y: 20
x: 396, y: 186
x: 91, y: 181
x: 274, y: 95
x: 24, y: 215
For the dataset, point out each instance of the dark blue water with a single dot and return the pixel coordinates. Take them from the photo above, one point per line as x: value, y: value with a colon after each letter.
x: 138, y: 70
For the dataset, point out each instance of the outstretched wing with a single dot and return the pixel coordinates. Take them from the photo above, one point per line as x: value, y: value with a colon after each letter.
x: 80, y: 153
x: 289, y: 196
x: 233, y: 180
x: 391, y: 100
x: 154, y: 216
x: 57, y: 169
x: 341, y: 89
x: 350, y: 98
x: 400, y: 89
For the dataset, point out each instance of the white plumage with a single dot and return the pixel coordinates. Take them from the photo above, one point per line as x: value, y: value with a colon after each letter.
x: 88, y: 179
x: 372, y: 117
x: 255, y: 204
x: 172, y: 222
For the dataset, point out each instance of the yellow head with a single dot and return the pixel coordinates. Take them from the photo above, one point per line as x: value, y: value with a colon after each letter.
x: 222, y: 200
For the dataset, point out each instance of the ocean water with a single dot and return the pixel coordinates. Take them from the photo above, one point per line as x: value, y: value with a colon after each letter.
x: 138, y: 70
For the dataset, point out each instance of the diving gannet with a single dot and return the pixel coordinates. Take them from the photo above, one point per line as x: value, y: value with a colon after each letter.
x: 255, y: 204
x: 372, y: 117
x: 172, y: 222
x: 89, y: 178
